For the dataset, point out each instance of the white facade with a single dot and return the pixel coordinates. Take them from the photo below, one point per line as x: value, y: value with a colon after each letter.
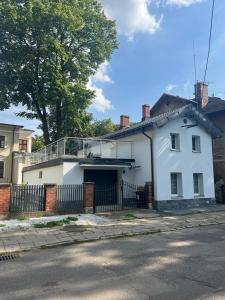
x: 184, y: 161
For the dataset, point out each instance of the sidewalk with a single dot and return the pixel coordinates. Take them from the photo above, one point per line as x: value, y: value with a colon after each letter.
x: 123, y: 224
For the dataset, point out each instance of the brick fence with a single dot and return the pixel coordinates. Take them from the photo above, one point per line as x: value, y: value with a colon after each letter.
x: 50, y: 198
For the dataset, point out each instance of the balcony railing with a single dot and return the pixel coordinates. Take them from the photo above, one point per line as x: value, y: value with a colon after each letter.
x: 82, y: 148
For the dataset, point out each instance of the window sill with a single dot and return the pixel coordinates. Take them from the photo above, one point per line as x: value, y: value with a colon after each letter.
x: 196, y: 151
x: 199, y: 196
x: 176, y: 197
x: 175, y: 150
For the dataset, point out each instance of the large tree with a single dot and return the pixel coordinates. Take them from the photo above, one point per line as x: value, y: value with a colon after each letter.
x: 48, y: 51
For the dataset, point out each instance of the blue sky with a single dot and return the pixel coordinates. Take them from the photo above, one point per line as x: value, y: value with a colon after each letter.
x: 155, y: 55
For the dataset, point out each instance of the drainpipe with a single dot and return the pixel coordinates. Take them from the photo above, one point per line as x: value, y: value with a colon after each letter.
x: 152, y: 160
x: 12, y: 160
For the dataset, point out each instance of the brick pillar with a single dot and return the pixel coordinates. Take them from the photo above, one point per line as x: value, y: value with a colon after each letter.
x: 50, y: 197
x: 5, y: 190
x: 89, y: 197
x: 149, y: 193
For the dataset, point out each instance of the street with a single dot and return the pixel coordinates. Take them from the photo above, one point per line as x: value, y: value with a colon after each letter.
x: 186, y: 264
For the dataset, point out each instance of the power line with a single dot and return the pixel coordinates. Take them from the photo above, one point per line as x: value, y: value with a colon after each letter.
x: 210, y: 38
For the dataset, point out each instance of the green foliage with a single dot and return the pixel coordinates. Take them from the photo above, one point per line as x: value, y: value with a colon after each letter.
x: 23, y: 218
x: 37, y: 143
x: 50, y: 224
x: 102, y: 127
x: 48, y: 51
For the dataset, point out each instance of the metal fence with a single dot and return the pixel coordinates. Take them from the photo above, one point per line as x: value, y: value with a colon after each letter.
x: 27, y: 198
x: 70, y: 197
x: 133, y: 196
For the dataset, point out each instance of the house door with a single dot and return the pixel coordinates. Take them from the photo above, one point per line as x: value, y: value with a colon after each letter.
x: 105, y: 188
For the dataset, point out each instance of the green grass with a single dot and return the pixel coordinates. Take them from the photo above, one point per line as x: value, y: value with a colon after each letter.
x: 55, y: 223
x: 2, y: 225
x: 129, y: 216
x: 23, y: 218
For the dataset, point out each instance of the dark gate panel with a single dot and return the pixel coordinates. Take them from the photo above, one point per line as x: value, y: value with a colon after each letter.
x: 133, y: 196
x: 27, y: 198
x: 69, y: 197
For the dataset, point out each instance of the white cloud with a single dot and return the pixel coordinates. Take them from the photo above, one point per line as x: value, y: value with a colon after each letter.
x: 132, y: 16
x: 185, y: 3
x: 100, y: 102
x: 170, y: 87
x: 101, y: 75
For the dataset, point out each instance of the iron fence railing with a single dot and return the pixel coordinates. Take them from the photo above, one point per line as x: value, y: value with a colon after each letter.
x: 27, y: 198
x: 70, y: 197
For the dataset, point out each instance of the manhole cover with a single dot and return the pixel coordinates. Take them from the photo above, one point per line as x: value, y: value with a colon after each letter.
x: 8, y: 256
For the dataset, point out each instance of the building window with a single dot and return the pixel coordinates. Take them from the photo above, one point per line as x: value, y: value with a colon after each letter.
x: 196, y: 147
x: 175, y: 141
x: 198, y: 184
x: 2, y: 141
x: 176, y: 184
x: 23, y: 145
x: 1, y: 169
x: 40, y: 174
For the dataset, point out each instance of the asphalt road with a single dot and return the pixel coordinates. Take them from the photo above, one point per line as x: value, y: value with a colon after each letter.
x: 189, y: 264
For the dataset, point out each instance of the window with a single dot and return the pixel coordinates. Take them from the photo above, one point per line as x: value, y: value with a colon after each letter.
x: 23, y: 145
x: 196, y: 147
x: 40, y: 174
x: 1, y: 169
x: 175, y: 141
x: 176, y: 184
x: 2, y: 141
x: 198, y: 184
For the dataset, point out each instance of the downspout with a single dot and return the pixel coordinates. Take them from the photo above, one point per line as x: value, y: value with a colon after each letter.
x: 12, y: 160
x: 152, y: 160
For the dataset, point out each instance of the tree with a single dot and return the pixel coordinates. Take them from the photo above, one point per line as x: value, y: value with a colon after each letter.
x: 37, y: 143
x: 48, y: 51
x: 102, y: 127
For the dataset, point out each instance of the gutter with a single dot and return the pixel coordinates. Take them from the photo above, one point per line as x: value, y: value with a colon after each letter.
x: 152, y: 160
x: 12, y: 159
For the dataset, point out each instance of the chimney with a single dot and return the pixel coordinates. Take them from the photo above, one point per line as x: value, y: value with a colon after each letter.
x: 201, y: 94
x: 124, y: 121
x: 145, y: 112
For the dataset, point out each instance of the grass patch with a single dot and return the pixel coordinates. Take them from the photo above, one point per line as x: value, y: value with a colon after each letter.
x: 23, y: 218
x: 2, y: 225
x: 130, y: 216
x: 55, y: 223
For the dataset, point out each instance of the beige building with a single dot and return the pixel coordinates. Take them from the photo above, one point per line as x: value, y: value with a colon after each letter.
x: 13, y: 139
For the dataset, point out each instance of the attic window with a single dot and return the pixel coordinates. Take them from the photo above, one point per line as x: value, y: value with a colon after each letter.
x: 196, y: 146
x: 175, y: 141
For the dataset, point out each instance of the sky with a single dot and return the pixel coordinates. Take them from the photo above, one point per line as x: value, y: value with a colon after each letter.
x: 155, y: 56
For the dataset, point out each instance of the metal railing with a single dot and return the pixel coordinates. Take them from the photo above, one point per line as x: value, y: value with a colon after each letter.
x: 80, y: 148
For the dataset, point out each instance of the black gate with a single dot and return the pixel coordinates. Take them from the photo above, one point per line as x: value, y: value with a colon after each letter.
x: 27, y: 198
x: 115, y: 197
x: 70, y: 197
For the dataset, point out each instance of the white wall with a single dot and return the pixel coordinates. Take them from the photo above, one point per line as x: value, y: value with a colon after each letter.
x: 185, y: 161
x: 72, y: 173
x: 49, y: 175
x: 142, y: 156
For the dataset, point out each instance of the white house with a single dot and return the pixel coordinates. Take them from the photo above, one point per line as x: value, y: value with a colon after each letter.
x: 173, y: 151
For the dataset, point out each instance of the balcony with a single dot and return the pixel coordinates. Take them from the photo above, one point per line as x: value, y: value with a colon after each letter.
x: 81, y: 148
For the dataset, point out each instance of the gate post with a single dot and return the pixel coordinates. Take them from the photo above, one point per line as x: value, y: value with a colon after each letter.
x: 89, y: 197
x: 5, y: 193
x: 50, y: 197
x: 149, y: 194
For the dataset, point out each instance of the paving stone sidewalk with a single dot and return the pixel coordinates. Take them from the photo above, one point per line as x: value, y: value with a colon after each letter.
x: 121, y: 225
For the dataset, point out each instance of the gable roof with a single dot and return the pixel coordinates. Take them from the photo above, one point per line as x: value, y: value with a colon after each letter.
x: 188, y: 111
x: 214, y: 105
x: 168, y: 97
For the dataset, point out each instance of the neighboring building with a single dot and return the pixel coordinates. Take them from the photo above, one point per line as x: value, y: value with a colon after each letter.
x: 173, y: 151
x: 13, y: 139
x: 212, y: 107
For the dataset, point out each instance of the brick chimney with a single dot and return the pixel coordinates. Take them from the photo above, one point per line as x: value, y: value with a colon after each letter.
x: 201, y: 94
x: 145, y: 112
x: 124, y: 121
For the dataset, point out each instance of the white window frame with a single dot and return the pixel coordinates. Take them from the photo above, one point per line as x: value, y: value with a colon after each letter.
x: 197, y: 144
x: 200, y: 192
x: 177, y: 141
x: 4, y: 141
x: 179, y: 187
